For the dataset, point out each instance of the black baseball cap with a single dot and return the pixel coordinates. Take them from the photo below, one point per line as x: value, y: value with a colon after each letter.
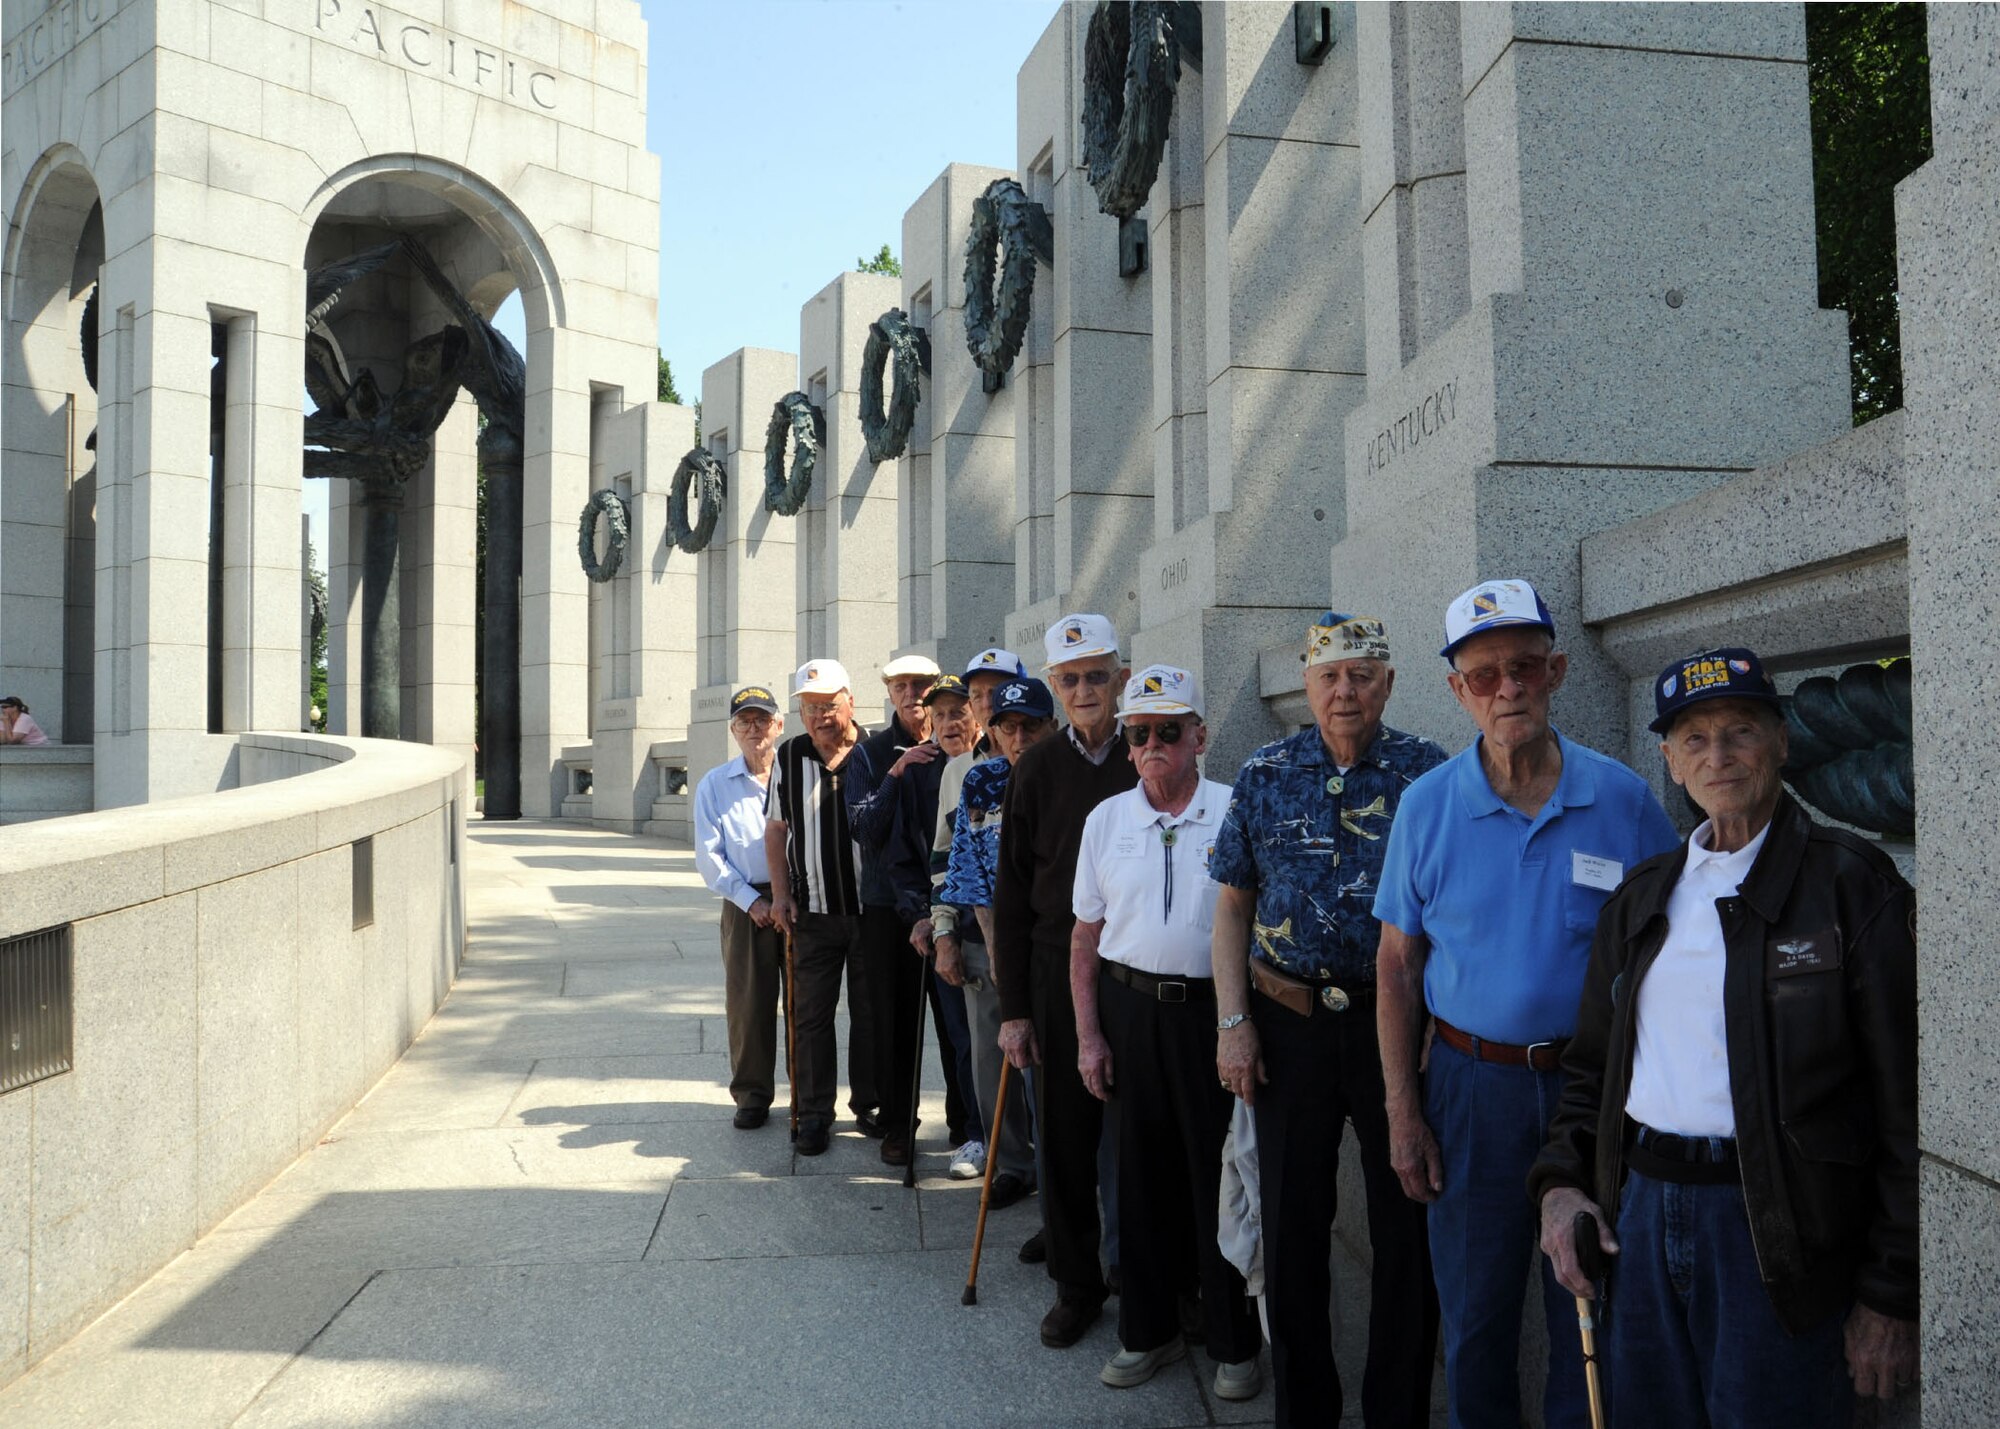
x: 945, y: 685
x: 1729, y: 672
x: 752, y: 697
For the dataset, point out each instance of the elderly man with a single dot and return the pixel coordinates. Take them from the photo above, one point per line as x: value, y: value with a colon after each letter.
x: 1298, y: 859
x: 729, y: 855
x: 815, y: 891
x: 1053, y: 790
x: 1145, y: 1008
x: 1741, y: 1092
x: 1498, y: 863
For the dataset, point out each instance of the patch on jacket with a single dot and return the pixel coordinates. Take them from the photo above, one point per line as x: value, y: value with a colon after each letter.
x: 1803, y: 953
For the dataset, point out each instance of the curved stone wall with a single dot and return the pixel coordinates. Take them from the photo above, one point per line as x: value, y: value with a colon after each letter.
x: 227, y: 1008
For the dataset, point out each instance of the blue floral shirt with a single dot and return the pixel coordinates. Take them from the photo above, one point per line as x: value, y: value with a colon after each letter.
x: 975, y: 836
x: 1310, y: 841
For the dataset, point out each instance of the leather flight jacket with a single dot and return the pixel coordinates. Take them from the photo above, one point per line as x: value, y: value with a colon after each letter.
x: 1820, y: 1019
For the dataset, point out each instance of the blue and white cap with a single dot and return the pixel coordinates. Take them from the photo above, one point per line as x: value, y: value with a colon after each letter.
x: 1729, y: 672
x: 1025, y: 696
x: 1078, y: 637
x: 1161, y: 690
x: 1490, y: 605
x: 995, y: 661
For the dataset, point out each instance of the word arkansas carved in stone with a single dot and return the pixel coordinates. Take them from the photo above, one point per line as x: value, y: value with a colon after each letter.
x: 431, y: 49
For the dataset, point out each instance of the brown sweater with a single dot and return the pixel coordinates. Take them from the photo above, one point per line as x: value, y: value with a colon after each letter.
x: 1053, y: 790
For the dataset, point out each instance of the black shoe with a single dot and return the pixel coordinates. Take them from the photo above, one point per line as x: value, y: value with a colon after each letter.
x: 870, y: 1123
x: 895, y: 1151
x: 1114, y: 1282
x: 749, y: 1118
x: 1074, y: 1313
x: 812, y: 1138
x: 1035, y: 1251
x: 1007, y: 1188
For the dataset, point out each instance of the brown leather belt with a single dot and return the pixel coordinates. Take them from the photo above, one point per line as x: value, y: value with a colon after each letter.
x: 1304, y: 998
x: 1161, y: 989
x: 1538, y: 1056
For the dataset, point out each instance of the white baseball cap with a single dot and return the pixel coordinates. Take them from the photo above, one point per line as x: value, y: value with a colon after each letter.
x: 1489, y: 606
x: 820, y: 677
x: 1161, y: 690
x: 995, y: 661
x: 1078, y: 637
x: 910, y: 665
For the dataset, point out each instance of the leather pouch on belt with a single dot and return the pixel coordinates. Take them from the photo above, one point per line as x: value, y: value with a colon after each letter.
x: 1288, y: 992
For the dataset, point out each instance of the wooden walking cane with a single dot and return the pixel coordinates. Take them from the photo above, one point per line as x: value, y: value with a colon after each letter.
x: 971, y: 1295
x: 791, y: 1034
x: 917, y: 1072
x: 1589, y: 1259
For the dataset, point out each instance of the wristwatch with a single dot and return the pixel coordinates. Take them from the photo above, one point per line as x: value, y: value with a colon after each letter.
x: 1235, y: 1019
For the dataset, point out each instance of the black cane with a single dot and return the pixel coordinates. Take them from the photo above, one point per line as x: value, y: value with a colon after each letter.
x: 917, y: 1072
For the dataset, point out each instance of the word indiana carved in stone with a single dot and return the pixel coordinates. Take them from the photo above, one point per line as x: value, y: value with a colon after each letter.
x: 433, y: 50
x: 1404, y: 435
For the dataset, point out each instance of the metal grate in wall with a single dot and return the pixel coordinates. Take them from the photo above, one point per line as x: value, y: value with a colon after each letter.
x: 36, y: 983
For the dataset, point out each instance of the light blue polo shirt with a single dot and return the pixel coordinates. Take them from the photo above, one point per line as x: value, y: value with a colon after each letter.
x: 1510, y: 903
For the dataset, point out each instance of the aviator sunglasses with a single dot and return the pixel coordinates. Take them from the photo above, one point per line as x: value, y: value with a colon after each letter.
x: 1166, y: 731
x: 1530, y: 672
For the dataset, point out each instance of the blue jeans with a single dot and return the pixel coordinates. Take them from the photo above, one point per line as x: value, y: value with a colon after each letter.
x: 1490, y: 1122
x: 1690, y: 1336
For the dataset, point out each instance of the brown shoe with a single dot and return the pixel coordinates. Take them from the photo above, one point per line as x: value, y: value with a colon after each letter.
x: 1073, y: 1314
x: 895, y: 1151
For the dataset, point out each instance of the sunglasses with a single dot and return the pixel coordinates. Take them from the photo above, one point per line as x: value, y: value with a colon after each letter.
x: 1167, y: 732
x: 1530, y: 672
x: 1070, y: 679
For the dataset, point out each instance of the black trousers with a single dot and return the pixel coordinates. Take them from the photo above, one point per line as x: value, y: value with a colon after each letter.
x: 1172, y: 1117
x: 822, y: 948
x: 1069, y: 1122
x: 895, y: 981
x: 1324, y: 1070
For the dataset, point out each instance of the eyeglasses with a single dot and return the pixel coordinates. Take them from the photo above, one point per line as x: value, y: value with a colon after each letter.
x: 1070, y: 679
x: 1166, y: 731
x: 1530, y: 672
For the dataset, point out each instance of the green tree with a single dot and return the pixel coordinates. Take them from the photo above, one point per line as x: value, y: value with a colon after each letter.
x: 668, y: 392
x: 883, y: 262
x: 319, y: 624
x: 1869, y: 70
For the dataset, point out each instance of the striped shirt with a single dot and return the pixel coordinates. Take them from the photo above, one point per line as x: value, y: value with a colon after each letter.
x: 820, y: 851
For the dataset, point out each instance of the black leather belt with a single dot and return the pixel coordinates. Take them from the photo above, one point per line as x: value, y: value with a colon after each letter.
x: 1164, y: 989
x: 1685, y: 1160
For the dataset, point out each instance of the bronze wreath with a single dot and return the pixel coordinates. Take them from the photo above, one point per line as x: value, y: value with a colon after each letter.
x: 1851, y: 754
x: 888, y: 435
x: 792, y: 415
x: 1132, y: 56
x: 1006, y: 224
x: 619, y: 522
x: 699, y: 463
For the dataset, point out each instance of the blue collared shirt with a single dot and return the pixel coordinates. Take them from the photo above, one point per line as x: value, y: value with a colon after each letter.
x: 729, y: 833
x: 1309, y: 840
x: 1509, y: 903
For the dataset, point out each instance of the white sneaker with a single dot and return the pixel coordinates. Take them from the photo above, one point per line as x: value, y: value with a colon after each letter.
x: 968, y: 1163
x: 1130, y: 1368
x: 1239, y: 1381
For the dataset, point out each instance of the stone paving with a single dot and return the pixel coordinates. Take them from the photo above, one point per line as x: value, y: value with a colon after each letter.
x: 542, y: 1216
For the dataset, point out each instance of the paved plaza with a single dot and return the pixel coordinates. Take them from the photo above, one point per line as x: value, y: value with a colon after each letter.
x: 542, y: 1215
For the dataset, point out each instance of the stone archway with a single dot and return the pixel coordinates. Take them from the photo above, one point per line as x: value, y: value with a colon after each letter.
x: 55, y: 249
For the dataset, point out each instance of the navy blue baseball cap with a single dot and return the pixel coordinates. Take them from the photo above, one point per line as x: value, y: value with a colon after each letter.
x: 1728, y: 672
x: 1025, y: 696
x: 752, y: 697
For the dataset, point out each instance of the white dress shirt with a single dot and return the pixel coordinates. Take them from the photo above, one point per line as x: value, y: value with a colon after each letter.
x: 729, y: 833
x: 1144, y: 873
x: 1680, y: 1064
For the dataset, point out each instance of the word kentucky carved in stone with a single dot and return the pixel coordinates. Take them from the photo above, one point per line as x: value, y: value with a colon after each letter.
x: 401, y: 39
x: 1408, y: 431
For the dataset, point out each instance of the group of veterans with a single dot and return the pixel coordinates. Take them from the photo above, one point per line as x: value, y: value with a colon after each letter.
x: 1549, y: 1019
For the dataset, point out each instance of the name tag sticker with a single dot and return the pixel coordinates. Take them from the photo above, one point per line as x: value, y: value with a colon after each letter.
x: 1127, y: 846
x: 1594, y: 872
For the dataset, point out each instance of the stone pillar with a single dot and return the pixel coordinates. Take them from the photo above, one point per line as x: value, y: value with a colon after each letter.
x: 1640, y: 316
x: 748, y: 574
x: 955, y: 497
x: 1946, y: 213
x: 649, y: 615
x: 847, y: 528
x: 1083, y: 459
x: 1257, y: 352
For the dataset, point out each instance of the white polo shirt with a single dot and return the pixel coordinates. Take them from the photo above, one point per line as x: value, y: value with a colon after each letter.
x: 1680, y: 1064
x: 1145, y: 874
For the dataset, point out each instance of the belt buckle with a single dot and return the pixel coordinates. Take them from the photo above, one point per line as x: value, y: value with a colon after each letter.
x: 1171, y: 991
x: 1334, y: 999
x: 1533, y: 1047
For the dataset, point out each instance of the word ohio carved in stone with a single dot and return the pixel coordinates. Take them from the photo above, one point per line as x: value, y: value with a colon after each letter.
x: 1132, y: 57
x: 1009, y: 234
x: 792, y: 416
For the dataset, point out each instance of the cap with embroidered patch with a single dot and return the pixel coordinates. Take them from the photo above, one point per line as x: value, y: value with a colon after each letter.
x: 1025, y: 696
x: 752, y: 697
x: 995, y: 661
x: 1490, y: 605
x: 1161, y: 690
x: 909, y: 665
x: 1729, y: 672
x: 1078, y: 637
x: 945, y: 685
x: 821, y: 677
x: 1346, y: 637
